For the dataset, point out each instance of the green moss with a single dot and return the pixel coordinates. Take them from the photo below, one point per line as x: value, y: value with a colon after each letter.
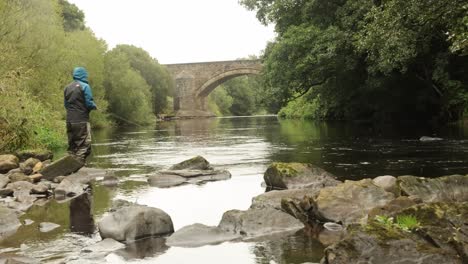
x: 286, y: 169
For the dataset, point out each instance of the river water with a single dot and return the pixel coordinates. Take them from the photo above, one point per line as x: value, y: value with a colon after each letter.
x: 245, y: 146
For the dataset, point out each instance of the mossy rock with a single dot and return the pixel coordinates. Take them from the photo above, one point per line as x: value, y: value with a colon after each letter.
x: 40, y: 154
x: 453, y: 188
x: 297, y: 176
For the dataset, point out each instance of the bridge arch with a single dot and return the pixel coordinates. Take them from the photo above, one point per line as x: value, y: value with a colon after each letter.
x: 195, y: 81
x: 217, y: 80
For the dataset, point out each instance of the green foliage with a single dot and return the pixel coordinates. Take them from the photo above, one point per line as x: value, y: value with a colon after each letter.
x: 406, y: 223
x: 219, y: 102
x: 367, y: 59
x: 73, y: 17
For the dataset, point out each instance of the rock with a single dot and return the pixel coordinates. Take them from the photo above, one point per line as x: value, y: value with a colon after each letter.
x: 388, y: 183
x: 22, y: 192
x: 38, y: 167
x: 8, y: 162
x: 41, y: 155
x: 272, y: 199
x: 258, y: 222
x: 195, y: 163
x: 297, y: 176
x: 59, y: 179
x: 4, y: 180
x: 45, y: 227
x: 110, y: 181
x: 429, y: 139
x: 16, y: 259
x: 69, y: 188
x: 345, y: 203
x: 28, y: 222
x: 6, y: 192
x: 9, y: 222
x: 443, y: 189
x: 132, y: 222
x: 441, y: 238
x: 165, y: 180
x: 102, y: 248
x: 36, y: 177
x: 393, y: 206
x: 19, y: 176
x: 198, y: 235
x: 27, y: 166
x: 62, y: 167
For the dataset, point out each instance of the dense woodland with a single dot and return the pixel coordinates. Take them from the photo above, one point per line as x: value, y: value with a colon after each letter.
x: 384, y: 60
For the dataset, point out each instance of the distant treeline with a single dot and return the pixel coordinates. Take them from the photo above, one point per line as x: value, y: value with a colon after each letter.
x: 41, y: 41
x: 385, y: 60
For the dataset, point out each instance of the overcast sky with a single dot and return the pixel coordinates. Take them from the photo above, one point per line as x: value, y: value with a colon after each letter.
x: 179, y: 31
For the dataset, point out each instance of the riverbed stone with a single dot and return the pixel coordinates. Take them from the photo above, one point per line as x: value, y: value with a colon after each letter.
x: 297, y: 175
x: 4, y: 180
x: 102, y: 248
x: 132, y: 222
x: 272, y: 199
x: 165, y: 180
x: 198, y: 235
x: 28, y: 165
x: 9, y: 222
x: 195, y: 163
x: 19, y: 176
x: 62, y: 167
x: 77, y: 183
x: 387, y: 182
x: 452, y: 188
x: 41, y: 155
x: 258, y: 222
x: 17, y: 259
x: 8, y: 162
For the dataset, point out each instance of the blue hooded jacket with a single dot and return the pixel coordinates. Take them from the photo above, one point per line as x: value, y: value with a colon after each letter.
x: 78, y: 98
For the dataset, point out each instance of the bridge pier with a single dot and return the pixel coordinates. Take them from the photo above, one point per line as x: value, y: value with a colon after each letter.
x: 186, y: 103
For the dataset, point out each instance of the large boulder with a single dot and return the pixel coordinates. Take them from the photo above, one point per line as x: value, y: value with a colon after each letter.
x: 453, y: 188
x: 195, y: 163
x: 346, y: 203
x: 258, y: 222
x: 441, y: 237
x: 62, y: 167
x: 8, y: 162
x: 9, y: 222
x: 197, y: 235
x: 132, y: 222
x: 297, y: 175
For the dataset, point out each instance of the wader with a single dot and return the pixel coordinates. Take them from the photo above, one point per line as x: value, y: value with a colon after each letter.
x: 79, y: 139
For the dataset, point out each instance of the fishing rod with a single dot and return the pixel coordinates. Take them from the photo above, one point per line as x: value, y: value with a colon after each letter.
x: 124, y: 119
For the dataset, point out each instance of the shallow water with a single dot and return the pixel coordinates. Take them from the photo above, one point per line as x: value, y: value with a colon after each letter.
x: 245, y: 146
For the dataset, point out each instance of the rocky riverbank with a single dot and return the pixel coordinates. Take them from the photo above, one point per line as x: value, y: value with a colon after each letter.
x: 383, y: 220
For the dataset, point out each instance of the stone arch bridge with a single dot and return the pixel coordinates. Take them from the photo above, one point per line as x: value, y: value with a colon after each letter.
x: 195, y: 81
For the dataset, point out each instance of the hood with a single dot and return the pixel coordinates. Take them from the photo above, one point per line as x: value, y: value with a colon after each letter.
x: 80, y: 74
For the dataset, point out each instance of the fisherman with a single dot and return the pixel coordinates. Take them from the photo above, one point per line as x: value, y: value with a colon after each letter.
x: 79, y: 102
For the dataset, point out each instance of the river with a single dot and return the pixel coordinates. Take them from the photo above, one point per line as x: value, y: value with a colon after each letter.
x: 245, y: 146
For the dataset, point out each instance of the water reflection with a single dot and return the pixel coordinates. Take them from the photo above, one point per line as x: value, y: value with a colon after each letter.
x: 144, y: 248
x: 81, y: 216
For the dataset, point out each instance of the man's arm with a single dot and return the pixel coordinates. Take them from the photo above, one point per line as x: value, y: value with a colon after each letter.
x: 89, y: 101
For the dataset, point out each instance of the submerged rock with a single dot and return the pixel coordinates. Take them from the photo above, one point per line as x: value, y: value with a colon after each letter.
x: 47, y: 227
x: 297, y: 176
x: 197, y: 235
x: 9, y: 222
x: 101, y: 249
x: 132, y: 222
x: 429, y: 139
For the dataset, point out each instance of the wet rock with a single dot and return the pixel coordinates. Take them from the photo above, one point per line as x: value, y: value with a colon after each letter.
x: 165, y: 180
x: 62, y: 167
x: 102, y: 248
x: 387, y: 182
x: 273, y: 199
x: 258, y: 222
x: 76, y: 183
x: 16, y: 259
x: 297, y: 175
x: 110, y: 181
x: 4, y: 180
x: 27, y: 166
x: 195, y: 163
x: 28, y: 222
x: 345, y: 203
x: 392, y: 207
x: 9, y: 222
x: 132, y: 222
x: 453, y: 188
x: 45, y: 227
x: 8, y: 162
x: 429, y: 139
x: 176, y: 177
x: 19, y: 176
x: 198, y: 235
